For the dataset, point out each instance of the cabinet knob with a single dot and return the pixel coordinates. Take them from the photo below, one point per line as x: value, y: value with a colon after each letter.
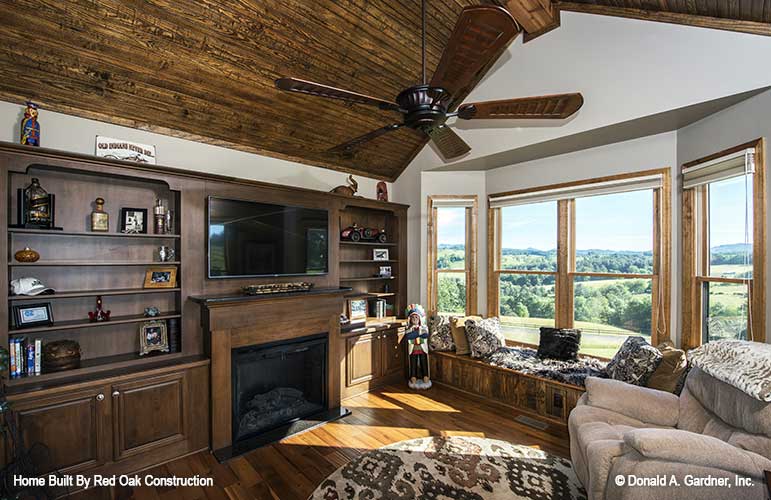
x: 100, y: 397
x: 115, y: 394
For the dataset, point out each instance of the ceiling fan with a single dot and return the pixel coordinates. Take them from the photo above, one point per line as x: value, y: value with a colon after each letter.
x: 480, y: 35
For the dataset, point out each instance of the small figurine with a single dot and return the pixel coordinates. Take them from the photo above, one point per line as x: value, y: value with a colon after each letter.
x: 100, y: 314
x: 416, y: 337
x: 348, y: 190
x: 382, y: 191
x: 166, y: 254
x: 30, y: 128
x: 152, y: 311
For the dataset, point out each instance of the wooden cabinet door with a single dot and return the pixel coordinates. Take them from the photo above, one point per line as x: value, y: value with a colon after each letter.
x: 72, y: 427
x: 392, y: 351
x: 363, y: 359
x: 148, y: 414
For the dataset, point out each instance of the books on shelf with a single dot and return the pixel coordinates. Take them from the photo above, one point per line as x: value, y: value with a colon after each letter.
x: 25, y: 357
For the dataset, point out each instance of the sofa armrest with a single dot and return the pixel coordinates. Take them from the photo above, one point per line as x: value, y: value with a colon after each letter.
x: 768, y: 481
x: 643, y: 404
x: 675, y: 445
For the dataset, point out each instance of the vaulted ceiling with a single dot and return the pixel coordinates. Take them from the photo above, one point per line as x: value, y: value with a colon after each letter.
x: 205, y: 69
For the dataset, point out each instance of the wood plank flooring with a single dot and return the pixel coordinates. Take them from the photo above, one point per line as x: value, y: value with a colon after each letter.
x: 294, y: 467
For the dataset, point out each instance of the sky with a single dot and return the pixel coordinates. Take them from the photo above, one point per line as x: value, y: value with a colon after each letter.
x: 621, y: 221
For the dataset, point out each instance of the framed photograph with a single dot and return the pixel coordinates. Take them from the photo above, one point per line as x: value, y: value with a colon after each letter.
x: 385, y: 271
x: 153, y: 336
x: 133, y: 220
x: 380, y: 254
x: 29, y: 315
x: 161, y: 277
x: 357, y: 309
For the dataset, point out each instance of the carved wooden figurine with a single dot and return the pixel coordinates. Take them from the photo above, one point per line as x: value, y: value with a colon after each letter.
x: 416, y: 337
x: 348, y: 190
x: 30, y: 128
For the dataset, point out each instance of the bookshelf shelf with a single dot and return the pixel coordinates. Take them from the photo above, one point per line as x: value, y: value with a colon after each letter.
x: 77, y: 324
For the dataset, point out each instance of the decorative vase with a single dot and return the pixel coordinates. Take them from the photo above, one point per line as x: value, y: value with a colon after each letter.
x: 27, y: 255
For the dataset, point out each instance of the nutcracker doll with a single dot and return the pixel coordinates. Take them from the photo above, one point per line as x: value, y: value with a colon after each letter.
x: 416, y: 337
x: 30, y: 128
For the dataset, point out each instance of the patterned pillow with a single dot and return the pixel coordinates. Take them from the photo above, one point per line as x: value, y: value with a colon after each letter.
x: 634, y: 362
x: 439, y: 333
x: 484, y: 336
x: 559, y: 343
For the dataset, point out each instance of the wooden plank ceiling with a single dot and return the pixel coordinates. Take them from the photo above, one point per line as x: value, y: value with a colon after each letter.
x: 204, y: 69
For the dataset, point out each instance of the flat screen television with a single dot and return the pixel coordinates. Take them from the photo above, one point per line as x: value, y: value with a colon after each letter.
x: 249, y: 239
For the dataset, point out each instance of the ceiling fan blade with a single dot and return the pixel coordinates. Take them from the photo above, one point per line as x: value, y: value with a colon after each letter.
x: 347, y: 147
x: 448, y: 142
x: 542, y: 107
x: 480, y: 36
x: 317, y: 89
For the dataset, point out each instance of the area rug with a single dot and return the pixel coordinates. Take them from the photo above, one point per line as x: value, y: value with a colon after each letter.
x: 457, y: 467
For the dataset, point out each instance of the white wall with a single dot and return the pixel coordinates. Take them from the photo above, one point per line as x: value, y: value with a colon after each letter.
x: 77, y: 135
x: 455, y: 183
x: 741, y: 123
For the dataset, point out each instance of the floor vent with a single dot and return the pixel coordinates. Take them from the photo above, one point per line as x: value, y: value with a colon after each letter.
x: 531, y: 422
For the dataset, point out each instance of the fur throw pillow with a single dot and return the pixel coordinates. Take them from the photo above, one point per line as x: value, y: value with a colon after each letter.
x: 439, y: 333
x: 635, y: 361
x: 559, y: 343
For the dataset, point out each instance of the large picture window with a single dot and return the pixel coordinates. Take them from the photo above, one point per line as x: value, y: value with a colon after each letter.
x: 592, y: 255
x: 452, y: 278
x: 724, y: 246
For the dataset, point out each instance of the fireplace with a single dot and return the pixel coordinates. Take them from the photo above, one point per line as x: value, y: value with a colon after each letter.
x: 277, y: 384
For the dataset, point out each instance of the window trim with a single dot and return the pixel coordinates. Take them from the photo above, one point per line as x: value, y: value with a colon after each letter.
x: 566, y: 256
x: 471, y: 253
x: 695, y: 224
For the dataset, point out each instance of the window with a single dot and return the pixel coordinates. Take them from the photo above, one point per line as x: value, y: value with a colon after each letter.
x: 528, y: 269
x: 723, y: 246
x: 587, y: 255
x: 452, y: 254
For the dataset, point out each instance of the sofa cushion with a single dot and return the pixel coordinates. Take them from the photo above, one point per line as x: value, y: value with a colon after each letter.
x: 653, y: 407
x: 439, y: 333
x: 727, y: 403
x: 671, y: 369
x: 484, y: 336
x: 635, y: 361
x: 458, y: 329
x: 559, y: 343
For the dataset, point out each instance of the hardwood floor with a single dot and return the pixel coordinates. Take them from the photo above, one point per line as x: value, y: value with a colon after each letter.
x: 294, y: 467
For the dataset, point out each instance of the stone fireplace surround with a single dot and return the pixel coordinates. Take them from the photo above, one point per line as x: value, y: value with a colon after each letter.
x: 234, y: 321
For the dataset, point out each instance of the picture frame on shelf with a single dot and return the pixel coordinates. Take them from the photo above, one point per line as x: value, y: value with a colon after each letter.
x: 161, y: 277
x: 385, y: 272
x: 357, y: 310
x: 380, y: 254
x: 31, y: 315
x: 133, y: 220
x: 153, y: 336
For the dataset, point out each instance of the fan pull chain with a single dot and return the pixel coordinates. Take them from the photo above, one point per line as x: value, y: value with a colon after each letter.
x: 423, y: 39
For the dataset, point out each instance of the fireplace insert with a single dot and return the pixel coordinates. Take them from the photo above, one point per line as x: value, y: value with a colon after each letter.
x: 276, y: 384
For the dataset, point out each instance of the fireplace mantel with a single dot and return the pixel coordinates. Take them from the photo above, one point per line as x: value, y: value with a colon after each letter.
x: 237, y: 321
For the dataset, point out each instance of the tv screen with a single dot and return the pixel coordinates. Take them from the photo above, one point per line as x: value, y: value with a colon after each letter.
x: 248, y: 239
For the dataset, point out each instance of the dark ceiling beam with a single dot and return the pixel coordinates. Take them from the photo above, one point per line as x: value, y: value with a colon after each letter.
x: 737, y: 25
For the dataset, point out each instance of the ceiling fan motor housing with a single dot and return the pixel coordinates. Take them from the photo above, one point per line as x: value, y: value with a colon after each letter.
x: 424, y: 106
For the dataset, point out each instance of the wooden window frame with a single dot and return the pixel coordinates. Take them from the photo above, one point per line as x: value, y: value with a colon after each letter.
x: 695, y: 225
x: 566, y: 254
x: 471, y: 254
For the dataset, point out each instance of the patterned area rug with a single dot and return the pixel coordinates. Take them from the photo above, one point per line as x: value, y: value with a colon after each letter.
x: 453, y: 467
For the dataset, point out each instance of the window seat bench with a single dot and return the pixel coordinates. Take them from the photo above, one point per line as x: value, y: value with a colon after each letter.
x: 539, y: 397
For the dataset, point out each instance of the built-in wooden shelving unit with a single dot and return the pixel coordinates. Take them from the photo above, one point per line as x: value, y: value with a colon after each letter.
x: 81, y: 265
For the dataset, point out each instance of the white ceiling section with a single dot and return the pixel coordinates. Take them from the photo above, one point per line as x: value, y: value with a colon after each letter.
x: 626, y: 69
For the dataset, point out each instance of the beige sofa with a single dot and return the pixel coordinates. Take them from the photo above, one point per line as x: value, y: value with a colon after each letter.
x: 713, y: 433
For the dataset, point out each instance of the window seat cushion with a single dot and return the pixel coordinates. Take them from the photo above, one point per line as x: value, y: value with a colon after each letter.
x: 526, y: 360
